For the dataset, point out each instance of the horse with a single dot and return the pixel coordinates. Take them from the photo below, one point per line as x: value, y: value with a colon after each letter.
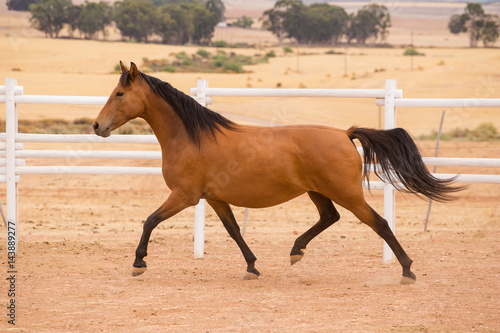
x: 207, y: 156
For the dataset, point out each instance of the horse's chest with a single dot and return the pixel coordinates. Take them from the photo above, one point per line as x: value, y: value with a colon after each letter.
x: 177, y: 173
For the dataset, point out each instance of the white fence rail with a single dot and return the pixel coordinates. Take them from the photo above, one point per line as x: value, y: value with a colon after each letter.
x: 12, y: 154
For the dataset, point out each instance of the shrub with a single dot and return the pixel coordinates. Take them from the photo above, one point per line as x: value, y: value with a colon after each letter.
x: 83, y: 121
x: 219, y: 60
x: 203, y: 53
x: 270, y: 54
x: 169, y: 68
x: 287, y: 49
x: 332, y: 52
x: 203, y: 61
x: 232, y: 66
x: 187, y: 62
x: 243, y: 22
x: 243, y: 45
x: 412, y: 52
x: 184, y: 59
x: 486, y: 131
x: 220, y: 43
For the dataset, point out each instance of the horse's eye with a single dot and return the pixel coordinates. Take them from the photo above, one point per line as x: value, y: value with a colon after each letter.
x: 119, y: 94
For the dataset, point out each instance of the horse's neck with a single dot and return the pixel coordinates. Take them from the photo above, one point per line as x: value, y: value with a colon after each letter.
x: 166, y: 125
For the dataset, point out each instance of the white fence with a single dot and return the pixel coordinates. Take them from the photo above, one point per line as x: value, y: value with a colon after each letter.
x: 12, y: 154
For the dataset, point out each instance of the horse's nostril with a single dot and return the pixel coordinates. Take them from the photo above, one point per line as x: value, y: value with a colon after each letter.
x: 96, y: 126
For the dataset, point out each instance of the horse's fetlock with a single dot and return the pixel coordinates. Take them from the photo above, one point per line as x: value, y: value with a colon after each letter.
x: 140, y: 253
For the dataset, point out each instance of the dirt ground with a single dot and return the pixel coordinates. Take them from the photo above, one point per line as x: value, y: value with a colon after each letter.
x: 78, y: 234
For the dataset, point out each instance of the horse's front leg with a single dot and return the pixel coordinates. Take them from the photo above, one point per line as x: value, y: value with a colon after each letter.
x: 225, y: 213
x: 173, y: 205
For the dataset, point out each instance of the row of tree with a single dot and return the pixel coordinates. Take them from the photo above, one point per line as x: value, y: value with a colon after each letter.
x: 175, y: 22
x: 480, y: 25
x: 324, y: 23
x: 194, y: 21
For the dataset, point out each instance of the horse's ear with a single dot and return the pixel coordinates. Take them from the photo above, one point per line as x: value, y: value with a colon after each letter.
x: 122, y: 67
x: 133, y: 71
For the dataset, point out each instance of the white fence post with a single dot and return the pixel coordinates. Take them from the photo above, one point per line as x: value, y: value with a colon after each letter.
x: 10, y: 159
x: 389, y: 122
x: 200, y: 209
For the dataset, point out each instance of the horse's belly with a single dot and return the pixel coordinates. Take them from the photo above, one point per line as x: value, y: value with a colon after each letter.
x: 253, y: 189
x: 258, y: 199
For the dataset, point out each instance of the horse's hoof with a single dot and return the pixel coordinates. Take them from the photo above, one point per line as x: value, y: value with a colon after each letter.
x: 250, y: 276
x: 408, y: 280
x: 294, y: 258
x: 138, y: 270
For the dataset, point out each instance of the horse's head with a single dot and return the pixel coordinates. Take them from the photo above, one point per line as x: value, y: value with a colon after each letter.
x: 125, y: 103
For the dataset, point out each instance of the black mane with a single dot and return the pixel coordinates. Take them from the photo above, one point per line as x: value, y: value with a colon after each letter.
x: 195, y: 117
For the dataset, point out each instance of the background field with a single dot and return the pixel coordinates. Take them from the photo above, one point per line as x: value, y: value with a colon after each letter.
x: 78, y: 233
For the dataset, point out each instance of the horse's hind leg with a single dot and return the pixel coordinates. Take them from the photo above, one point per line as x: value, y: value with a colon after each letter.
x: 370, y: 217
x: 328, y: 215
x: 225, y: 213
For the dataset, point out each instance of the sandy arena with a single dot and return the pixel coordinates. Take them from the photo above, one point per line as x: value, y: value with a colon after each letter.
x: 78, y: 234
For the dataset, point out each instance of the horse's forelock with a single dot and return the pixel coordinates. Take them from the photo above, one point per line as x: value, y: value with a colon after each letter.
x: 125, y: 78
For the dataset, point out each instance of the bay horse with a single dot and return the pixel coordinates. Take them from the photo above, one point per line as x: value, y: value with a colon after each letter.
x: 207, y: 156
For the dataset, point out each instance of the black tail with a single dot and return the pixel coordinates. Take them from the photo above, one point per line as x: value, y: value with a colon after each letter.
x: 400, y: 160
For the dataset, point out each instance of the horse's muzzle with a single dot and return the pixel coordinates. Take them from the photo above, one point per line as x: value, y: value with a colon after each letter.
x: 100, y: 131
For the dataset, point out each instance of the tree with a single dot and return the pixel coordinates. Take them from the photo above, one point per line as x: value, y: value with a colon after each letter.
x: 204, y: 22
x: 217, y: 7
x: 457, y: 24
x: 481, y: 26
x: 22, y: 5
x: 274, y: 19
x: 191, y: 22
x: 317, y: 23
x: 371, y: 21
x: 491, y: 30
x: 214, y: 6
x: 183, y: 27
x: 382, y: 17
x: 136, y: 19
x: 474, y: 19
x: 73, y: 18
x: 324, y: 23
x: 94, y: 17
x: 166, y: 26
x: 294, y: 20
x: 243, y: 22
x: 50, y: 16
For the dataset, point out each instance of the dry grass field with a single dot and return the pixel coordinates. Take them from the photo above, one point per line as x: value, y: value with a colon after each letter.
x: 78, y: 233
